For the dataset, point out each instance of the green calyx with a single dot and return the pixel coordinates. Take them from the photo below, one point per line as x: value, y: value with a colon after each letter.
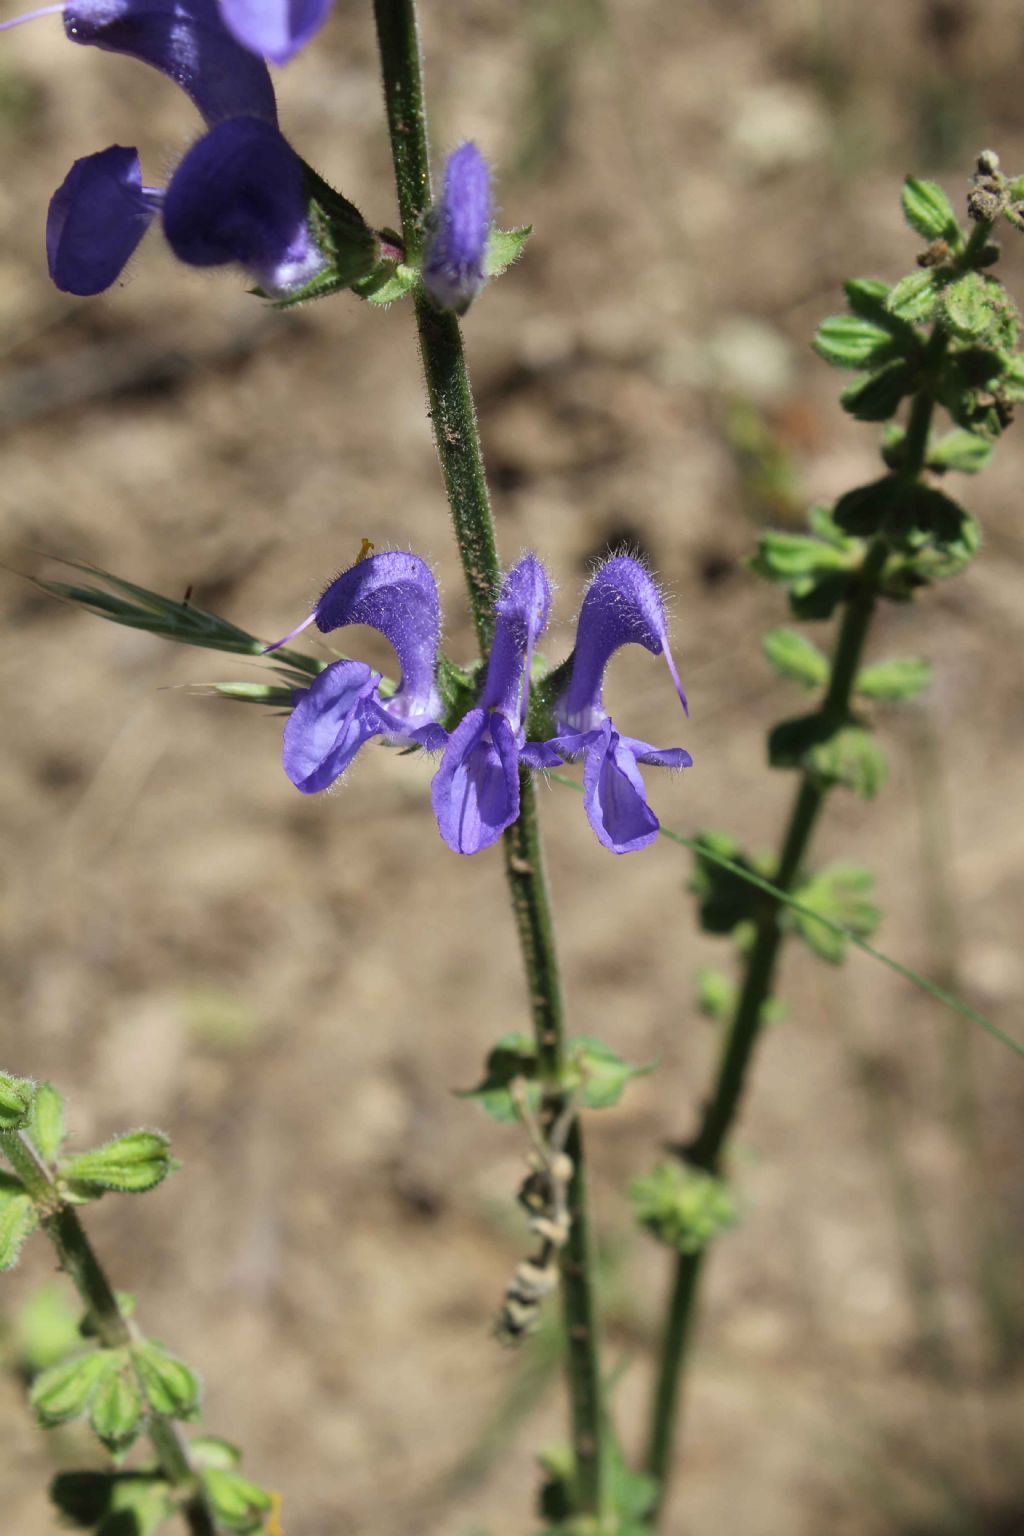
x: 683, y: 1207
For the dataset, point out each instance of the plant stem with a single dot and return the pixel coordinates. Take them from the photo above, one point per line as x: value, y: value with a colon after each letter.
x: 457, y: 439
x: 705, y: 1151
x: 78, y: 1260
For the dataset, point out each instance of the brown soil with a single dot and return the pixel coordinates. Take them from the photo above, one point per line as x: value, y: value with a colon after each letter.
x: 293, y: 988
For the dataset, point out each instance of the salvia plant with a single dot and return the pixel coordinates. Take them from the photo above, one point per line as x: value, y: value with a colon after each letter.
x: 941, y: 340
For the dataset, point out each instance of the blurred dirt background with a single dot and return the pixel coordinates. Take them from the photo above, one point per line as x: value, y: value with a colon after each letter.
x: 293, y: 988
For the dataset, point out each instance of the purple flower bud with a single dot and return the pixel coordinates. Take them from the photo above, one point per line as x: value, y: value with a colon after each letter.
x: 460, y: 226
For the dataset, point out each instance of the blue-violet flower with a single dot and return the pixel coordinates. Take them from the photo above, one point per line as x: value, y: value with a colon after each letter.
x: 475, y: 792
x: 395, y: 594
x: 622, y: 606
x: 460, y: 227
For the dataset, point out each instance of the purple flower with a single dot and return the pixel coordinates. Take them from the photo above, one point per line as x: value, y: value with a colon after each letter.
x: 238, y: 196
x: 622, y: 606
x: 187, y: 41
x: 475, y: 792
x: 277, y: 29
x: 453, y: 263
x: 395, y: 594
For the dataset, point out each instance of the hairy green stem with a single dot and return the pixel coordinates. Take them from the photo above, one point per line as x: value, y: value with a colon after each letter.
x: 457, y: 439
x: 78, y: 1260
x: 742, y: 1034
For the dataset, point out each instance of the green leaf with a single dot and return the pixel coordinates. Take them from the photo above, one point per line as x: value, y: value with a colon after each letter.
x: 236, y: 1502
x: 683, y: 1207
x: 915, y: 297
x: 863, y: 511
x: 850, y: 341
x: 716, y: 993
x: 964, y: 451
x: 18, y: 1219
x: 389, y: 281
x: 868, y: 297
x: 976, y: 307
x: 16, y: 1095
x: 724, y: 899
x: 170, y: 1388
x: 62, y: 1392
x: 116, y: 1411
x: 904, y: 677
x: 844, y: 754
x: 877, y: 395
x: 212, y: 1451
x: 504, y: 246
x: 131, y: 1163
x: 795, y: 657
x: 928, y: 210
x: 842, y: 895
x: 597, y: 1074
x: 514, y: 1057
x: 113, y: 1503
x: 46, y: 1125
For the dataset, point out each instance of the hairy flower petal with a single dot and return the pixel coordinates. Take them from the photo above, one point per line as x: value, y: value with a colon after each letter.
x: 96, y: 219
x: 329, y: 724
x: 521, y: 617
x: 187, y: 41
x: 239, y: 195
x: 475, y: 791
x: 277, y: 29
x: 622, y: 607
x: 453, y: 264
x: 396, y: 594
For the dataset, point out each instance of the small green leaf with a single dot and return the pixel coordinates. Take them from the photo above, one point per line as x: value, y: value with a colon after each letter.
x: 915, y: 296
x: 850, y: 341
x: 863, y: 511
x: 842, y: 895
x: 868, y: 297
x: 113, y: 1503
x: 877, y: 395
x: 724, y: 900
x: 716, y: 993
x: 237, y: 1503
x: 116, y: 1410
x: 46, y: 1126
x: 972, y: 306
x: 505, y: 246
x: 928, y: 210
x: 960, y: 450
x: 131, y: 1163
x: 16, y: 1095
x: 514, y: 1057
x: 845, y: 754
x: 388, y: 282
x: 598, y: 1074
x: 682, y: 1206
x: 904, y: 677
x: 795, y: 657
x: 18, y: 1218
x: 171, y: 1389
x: 212, y: 1451
x: 62, y: 1392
